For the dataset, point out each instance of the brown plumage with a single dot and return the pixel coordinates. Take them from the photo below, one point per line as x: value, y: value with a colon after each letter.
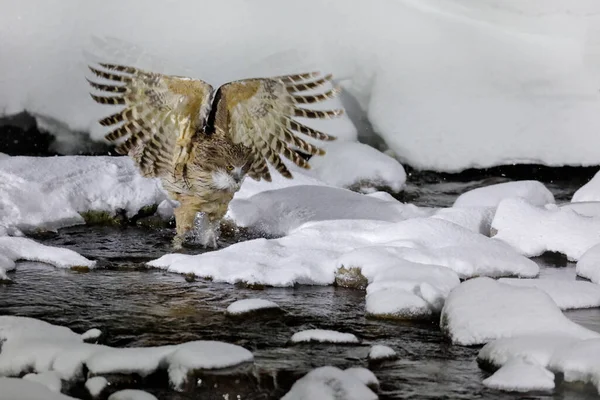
x: 200, y: 142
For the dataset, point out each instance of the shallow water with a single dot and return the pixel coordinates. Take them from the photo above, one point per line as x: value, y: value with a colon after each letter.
x: 136, y: 306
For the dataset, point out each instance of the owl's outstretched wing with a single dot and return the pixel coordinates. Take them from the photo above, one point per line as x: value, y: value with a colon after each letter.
x: 161, y: 118
x: 259, y: 113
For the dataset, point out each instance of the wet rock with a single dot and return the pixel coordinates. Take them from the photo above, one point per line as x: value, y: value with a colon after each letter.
x: 80, y: 268
x: 351, y: 278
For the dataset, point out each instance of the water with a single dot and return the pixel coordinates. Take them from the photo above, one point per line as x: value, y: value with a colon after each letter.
x: 136, y: 306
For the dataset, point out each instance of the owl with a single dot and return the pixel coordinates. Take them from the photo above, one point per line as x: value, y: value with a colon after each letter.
x: 200, y: 142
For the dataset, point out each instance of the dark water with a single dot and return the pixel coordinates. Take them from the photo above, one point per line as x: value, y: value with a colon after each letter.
x: 135, y: 306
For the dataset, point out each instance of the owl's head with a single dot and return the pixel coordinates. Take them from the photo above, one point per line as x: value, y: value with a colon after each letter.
x: 230, y: 169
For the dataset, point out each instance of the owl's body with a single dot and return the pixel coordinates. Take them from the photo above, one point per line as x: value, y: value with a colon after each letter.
x: 201, y: 143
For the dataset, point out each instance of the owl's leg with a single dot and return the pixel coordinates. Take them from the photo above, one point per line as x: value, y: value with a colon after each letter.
x: 185, y: 215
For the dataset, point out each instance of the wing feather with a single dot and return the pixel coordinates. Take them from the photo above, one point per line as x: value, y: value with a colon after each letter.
x: 162, y: 117
x: 258, y: 113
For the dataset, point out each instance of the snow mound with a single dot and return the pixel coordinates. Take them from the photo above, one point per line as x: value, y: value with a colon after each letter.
x: 69, y: 186
x: 578, y: 362
x: 277, y: 212
x: 397, y: 303
x: 476, y: 219
x: 323, y: 336
x: 481, y: 309
x: 95, y: 385
x: 22, y: 389
x: 50, y: 379
x: 91, y: 334
x: 249, y: 305
x: 532, y: 230
x: 131, y: 394
x: 329, y: 383
x: 518, y: 375
x: 363, y: 375
x: 490, y: 196
x: 588, y: 265
x: 381, y: 352
x: 566, y: 294
x: 586, y: 208
x: 359, y: 167
x: 588, y: 192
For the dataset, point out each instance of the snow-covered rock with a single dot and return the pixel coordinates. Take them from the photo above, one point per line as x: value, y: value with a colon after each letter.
x: 329, y: 383
x: 50, y: 379
x: 533, y: 230
x: 566, y: 294
x: 588, y: 192
x: 518, y: 375
x: 23, y: 389
x: 481, y: 309
x: 588, y: 265
x: 578, y: 362
x: 398, y: 303
x: 95, y: 385
x: 323, y: 336
x: 363, y: 375
x: 131, y: 394
x: 358, y: 166
x: 381, y: 352
x: 490, y: 196
x: 91, y: 334
x: 476, y: 219
x: 245, y: 306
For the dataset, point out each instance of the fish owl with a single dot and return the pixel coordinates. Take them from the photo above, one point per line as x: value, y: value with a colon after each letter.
x: 202, y: 143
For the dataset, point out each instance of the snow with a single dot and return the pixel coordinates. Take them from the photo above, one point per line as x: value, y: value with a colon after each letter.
x: 91, y: 334
x: 381, y: 352
x: 397, y: 303
x: 533, y: 230
x: 363, y: 375
x: 131, y: 394
x: 566, y: 294
x: 22, y: 389
x: 476, y: 219
x: 329, y: 383
x: 95, y: 385
x: 449, y: 85
x: 249, y: 305
x: 588, y: 265
x: 481, y: 309
x: 578, y: 362
x: 585, y: 208
x: 68, y: 186
x: 356, y: 165
x: 490, y: 196
x: 323, y: 336
x: 588, y: 192
x: 518, y: 375
x: 50, y: 379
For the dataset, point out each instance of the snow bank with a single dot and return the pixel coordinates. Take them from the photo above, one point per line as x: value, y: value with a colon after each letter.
x: 566, y: 294
x: 481, y: 309
x: 50, y: 379
x: 358, y: 166
x: 22, y: 389
x: 532, y: 230
x: 323, y: 336
x: 50, y: 192
x: 449, y: 85
x: 33, y: 345
x: 381, y: 352
x: 588, y: 265
x: 249, y: 305
x: 518, y: 375
x: 329, y: 383
x: 476, y: 219
x: 585, y: 208
x: 588, y: 192
x: 490, y: 196
x: 578, y: 362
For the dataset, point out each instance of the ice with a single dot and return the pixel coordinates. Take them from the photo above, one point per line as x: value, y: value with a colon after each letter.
x: 329, y: 383
x: 490, y: 196
x: 50, y: 379
x: 588, y: 192
x: 533, y: 230
x: 588, y: 265
x: 131, y: 394
x: 95, y: 385
x: 481, y: 309
x: 323, y: 336
x: 517, y: 375
x: 381, y: 352
x: 22, y: 389
x: 358, y: 166
x: 249, y: 305
x: 69, y: 186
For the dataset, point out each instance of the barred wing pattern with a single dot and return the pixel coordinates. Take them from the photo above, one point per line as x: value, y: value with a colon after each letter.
x: 259, y: 113
x: 162, y: 115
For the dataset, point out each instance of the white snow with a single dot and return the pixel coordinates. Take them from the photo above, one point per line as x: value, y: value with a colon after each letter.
x: 397, y: 303
x: 578, y: 362
x: 329, y: 383
x: 363, y: 375
x: 490, y: 196
x: 358, y: 166
x: 481, y: 309
x: 22, y: 389
x: 566, y: 294
x: 131, y: 394
x: 588, y: 192
x: 476, y: 219
x: 95, y: 385
x: 517, y: 375
x: 50, y: 192
x: 533, y: 230
x: 588, y: 265
x: 91, y: 334
x: 323, y: 336
x: 448, y: 84
x: 381, y: 352
x: 50, y: 379
x: 248, y: 305
x: 585, y: 208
